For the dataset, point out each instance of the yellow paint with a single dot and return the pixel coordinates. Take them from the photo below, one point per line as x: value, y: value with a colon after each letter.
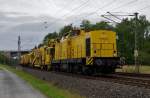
x: 38, y: 57
x: 89, y: 61
x: 103, y: 44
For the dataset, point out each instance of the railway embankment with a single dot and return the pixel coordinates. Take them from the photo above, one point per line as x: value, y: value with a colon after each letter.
x: 93, y: 88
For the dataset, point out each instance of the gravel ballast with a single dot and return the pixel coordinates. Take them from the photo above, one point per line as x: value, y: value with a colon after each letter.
x: 91, y: 88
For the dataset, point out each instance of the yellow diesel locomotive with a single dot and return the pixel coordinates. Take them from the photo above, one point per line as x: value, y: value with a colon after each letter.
x: 79, y: 51
x: 87, y: 52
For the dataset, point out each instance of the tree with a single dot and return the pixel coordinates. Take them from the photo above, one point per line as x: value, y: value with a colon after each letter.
x: 50, y: 36
x: 86, y: 25
x: 3, y: 58
x: 102, y: 26
x: 65, y: 30
x: 126, y: 30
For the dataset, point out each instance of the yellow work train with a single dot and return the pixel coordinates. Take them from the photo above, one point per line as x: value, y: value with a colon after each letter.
x: 39, y: 57
x: 79, y: 51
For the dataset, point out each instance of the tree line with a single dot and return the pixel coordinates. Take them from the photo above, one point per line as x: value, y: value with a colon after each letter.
x: 3, y: 58
x: 125, y: 30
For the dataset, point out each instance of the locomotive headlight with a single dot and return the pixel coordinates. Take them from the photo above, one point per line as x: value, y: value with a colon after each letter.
x: 99, y: 62
x: 95, y: 51
x: 115, y: 54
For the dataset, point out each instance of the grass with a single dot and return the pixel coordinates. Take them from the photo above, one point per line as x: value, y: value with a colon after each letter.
x: 131, y: 68
x: 48, y: 89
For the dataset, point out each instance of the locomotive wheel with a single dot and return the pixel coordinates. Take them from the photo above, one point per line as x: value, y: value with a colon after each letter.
x: 87, y: 70
x: 49, y: 67
x: 76, y: 68
x: 107, y: 70
x: 45, y: 67
x: 57, y: 68
x: 42, y: 67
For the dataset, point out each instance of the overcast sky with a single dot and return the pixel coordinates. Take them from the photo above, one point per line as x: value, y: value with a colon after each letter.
x: 33, y: 19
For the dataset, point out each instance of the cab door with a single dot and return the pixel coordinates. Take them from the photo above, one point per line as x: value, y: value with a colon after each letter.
x: 88, y: 47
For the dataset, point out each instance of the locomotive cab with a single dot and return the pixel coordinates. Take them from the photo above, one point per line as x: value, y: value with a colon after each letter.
x: 101, y: 50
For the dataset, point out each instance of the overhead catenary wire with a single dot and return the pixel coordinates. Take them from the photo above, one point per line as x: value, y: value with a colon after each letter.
x: 108, y: 4
x: 109, y: 19
x: 136, y: 41
x: 121, y: 12
x: 76, y: 8
x: 114, y: 15
x: 89, y: 14
x: 143, y: 8
x: 123, y: 5
x: 60, y: 10
x: 104, y: 6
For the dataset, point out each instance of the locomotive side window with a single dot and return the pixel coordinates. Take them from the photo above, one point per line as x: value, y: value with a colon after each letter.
x: 48, y: 52
x: 88, y: 47
x: 52, y: 51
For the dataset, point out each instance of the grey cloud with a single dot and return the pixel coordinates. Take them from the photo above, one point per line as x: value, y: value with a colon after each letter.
x: 30, y: 28
x: 26, y: 18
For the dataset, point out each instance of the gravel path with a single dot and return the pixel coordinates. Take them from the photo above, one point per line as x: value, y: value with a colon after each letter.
x: 92, y: 88
x: 12, y: 86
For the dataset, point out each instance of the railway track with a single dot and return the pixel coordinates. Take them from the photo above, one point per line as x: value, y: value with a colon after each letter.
x: 132, y: 80
x: 121, y: 78
x: 140, y: 80
x: 134, y: 74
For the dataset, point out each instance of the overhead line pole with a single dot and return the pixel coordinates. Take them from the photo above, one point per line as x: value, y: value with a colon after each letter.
x: 137, y: 67
x: 114, y: 15
x: 109, y: 18
x: 19, y: 49
x: 136, y: 49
